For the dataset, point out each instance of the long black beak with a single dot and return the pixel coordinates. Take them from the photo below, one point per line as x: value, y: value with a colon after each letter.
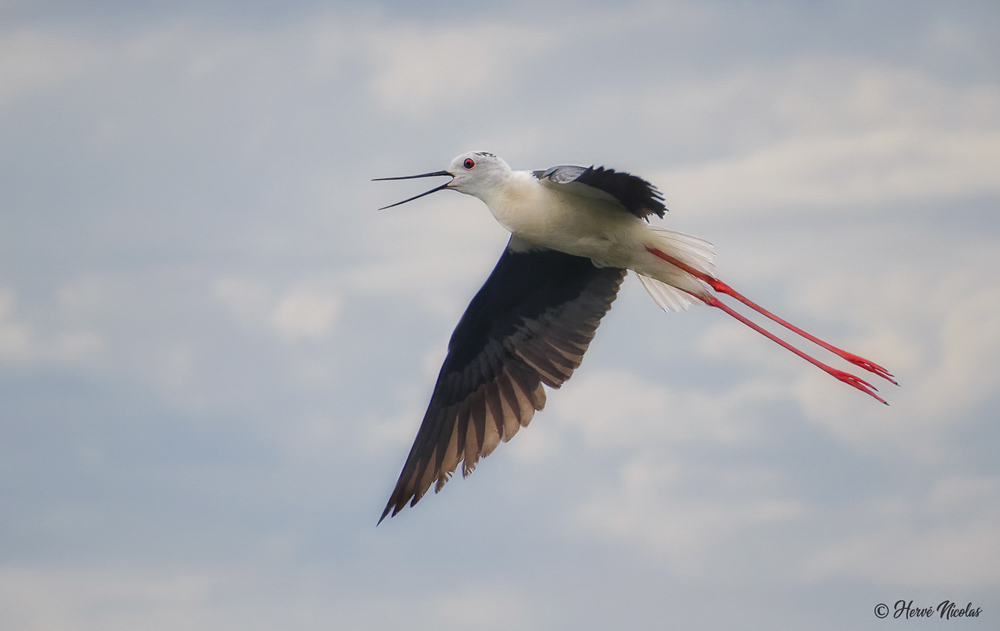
x: 413, y: 177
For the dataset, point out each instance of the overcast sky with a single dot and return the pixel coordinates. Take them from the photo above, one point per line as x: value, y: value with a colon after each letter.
x: 215, y: 352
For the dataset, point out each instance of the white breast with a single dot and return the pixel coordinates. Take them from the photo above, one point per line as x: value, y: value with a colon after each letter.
x: 584, y: 226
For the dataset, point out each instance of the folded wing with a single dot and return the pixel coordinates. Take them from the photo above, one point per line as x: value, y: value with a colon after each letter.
x: 635, y: 194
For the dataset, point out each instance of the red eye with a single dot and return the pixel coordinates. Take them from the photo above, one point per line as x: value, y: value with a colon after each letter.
x: 469, y: 163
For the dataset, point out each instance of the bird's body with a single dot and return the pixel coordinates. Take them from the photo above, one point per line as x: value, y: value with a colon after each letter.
x: 563, y: 209
x: 575, y: 231
x: 591, y: 227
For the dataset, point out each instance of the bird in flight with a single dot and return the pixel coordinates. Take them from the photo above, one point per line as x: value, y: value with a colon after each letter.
x: 575, y: 232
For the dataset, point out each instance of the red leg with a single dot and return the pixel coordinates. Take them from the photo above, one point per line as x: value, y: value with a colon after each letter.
x: 846, y: 377
x: 723, y: 288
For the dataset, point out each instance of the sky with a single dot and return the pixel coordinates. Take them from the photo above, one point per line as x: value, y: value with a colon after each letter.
x: 215, y: 351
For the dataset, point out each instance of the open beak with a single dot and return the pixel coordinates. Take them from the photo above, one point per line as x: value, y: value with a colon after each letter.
x: 413, y: 177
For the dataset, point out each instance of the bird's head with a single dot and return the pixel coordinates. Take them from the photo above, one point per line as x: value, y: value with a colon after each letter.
x: 477, y: 173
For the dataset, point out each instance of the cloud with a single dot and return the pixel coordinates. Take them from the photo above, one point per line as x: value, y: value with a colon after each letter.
x: 31, y: 61
x: 492, y: 606
x: 419, y: 70
x: 165, y: 598
x: 246, y: 300
x: 429, y: 253
x: 659, y: 505
x: 813, y: 173
x: 937, y: 331
x: 303, y: 312
x: 828, y: 133
x: 64, y: 598
x: 616, y: 408
x: 948, y: 539
x: 22, y: 342
x: 306, y: 313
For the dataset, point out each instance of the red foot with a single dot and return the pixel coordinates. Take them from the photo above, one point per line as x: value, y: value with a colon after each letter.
x: 857, y: 382
x: 870, y: 366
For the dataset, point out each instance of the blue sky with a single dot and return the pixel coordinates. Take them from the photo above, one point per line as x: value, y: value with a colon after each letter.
x: 215, y: 352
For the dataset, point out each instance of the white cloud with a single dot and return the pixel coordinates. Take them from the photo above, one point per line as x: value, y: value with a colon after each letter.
x: 419, y: 70
x: 940, y: 335
x: 815, y: 172
x: 490, y: 606
x: 15, y: 337
x: 22, y: 342
x: 247, y: 300
x: 169, y: 597
x: 656, y: 505
x: 831, y: 133
x: 612, y: 409
x: 64, y: 598
x: 305, y: 313
x: 31, y: 61
x: 947, y: 539
x: 429, y: 252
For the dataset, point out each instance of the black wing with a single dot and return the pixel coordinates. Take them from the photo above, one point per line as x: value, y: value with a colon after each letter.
x: 529, y: 325
x: 638, y: 196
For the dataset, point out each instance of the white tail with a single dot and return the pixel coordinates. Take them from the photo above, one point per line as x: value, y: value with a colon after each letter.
x: 697, y: 253
x: 668, y: 297
x: 673, y: 290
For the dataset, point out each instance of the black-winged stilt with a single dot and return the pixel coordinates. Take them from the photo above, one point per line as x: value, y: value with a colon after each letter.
x: 575, y: 232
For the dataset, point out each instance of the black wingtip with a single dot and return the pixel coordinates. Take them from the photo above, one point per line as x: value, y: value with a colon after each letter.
x: 637, y: 195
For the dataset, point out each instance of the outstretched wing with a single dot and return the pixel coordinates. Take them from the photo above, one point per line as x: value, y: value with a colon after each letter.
x: 529, y: 325
x: 638, y: 196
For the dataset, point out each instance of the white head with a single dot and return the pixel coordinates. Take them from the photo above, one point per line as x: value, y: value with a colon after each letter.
x: 476, y: 173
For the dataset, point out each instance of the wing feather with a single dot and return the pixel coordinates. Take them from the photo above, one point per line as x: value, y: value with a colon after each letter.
x: 529, y: 325
x: 635, y: 194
